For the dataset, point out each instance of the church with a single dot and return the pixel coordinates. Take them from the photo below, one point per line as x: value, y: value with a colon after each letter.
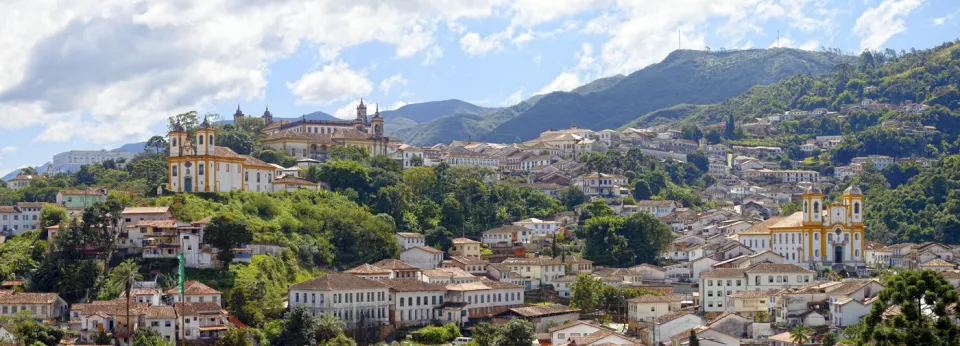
x: 312, y: 139
x: 198, y: 165
x: 821, y: 235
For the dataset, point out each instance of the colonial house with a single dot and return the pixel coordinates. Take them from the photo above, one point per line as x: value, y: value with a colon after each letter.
x: 649, y: 307
x: 313, y: 139
x: 414, y: 302
x: 409, y: 239
x: 485, y: 298
x: 423, y: 257
x: 356, y: 301
x: 465, y: 247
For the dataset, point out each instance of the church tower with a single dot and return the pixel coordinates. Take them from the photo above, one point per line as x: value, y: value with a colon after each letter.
x: 362, y: 112
x: 853, y: 199
x: 813, y: 206
x: 267, y: 117
x: 205, y: 140
x: 237, y: 116
x: 178, y: 138
x: 377, y: 123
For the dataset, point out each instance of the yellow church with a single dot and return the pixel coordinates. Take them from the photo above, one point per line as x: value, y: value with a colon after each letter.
x: 825, y: 234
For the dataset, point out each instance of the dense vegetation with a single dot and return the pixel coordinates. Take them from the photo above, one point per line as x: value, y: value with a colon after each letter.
x: 652, y: 178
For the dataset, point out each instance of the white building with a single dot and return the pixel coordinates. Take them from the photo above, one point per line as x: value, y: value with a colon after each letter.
x: 879, y: 161
x: 21, y: 217
x: 485, y: 298
x: 601, y: 184
x: 199, y: 165
x: 657, y: 208
x: 716, y: 286
x: 560, y: 335
x: 539, y: 226
x: 423, y: 257
x: 649, y: 307
x: 41, y: 306
x: 195, y: 292
x: 356, y: 301
x: 783, y: 176
x: 414, y: 302
x: 70, y: 161
x: 20, y: 181
x: 409, y: 239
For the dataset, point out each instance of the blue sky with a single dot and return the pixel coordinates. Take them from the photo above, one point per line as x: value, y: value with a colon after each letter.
x: 98, y: 74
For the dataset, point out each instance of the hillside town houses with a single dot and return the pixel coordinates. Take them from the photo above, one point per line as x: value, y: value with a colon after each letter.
x: 768, y: 251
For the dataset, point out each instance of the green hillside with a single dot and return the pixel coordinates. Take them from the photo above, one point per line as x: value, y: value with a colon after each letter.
x: 684, y: 77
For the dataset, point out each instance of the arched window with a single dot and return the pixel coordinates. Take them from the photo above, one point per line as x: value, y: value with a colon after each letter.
x: 804, y: 207
x: 816, y: 236
x: 211, y: 140
x: 816, y: 207
x: 856, y: 208
x: 258, y: 177
x: 200, y: 168
x: 246, y: 176
x: 769, y: 278
x: 856, y: 253
x: 175, y: 169
x: 856, y: 236
x: 200, y: 137
x: 816, y: 253
x: 174, y: 142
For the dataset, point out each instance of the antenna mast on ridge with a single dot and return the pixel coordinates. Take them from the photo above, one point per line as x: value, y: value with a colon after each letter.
x: 678, y: 39
x: 778, y: 38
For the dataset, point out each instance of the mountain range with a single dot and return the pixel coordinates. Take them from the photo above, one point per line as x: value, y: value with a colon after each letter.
x: 683, y: 77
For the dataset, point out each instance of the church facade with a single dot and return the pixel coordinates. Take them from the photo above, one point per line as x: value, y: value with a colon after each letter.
x: 197, y: 164
x: 312, y: 139
x: 820, y: 235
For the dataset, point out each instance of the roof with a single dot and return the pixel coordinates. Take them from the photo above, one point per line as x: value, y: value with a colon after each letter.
x: 469, y: 260
x: 794, y: 220
x: 509, y: 229
x: 289, y: 179
x: 395, y: 264
x: 936, y: 262
x: 145, y: 210
x: 465, y: 241
x: 542, y: 260
x: 672, y: 316
x: 850, y: 286
x: 409, y: 235
x: 575, y: 323
x: 452, y: 272
x: 656, y: 203
x: 763, y: 227
x: 193, y: 287
x: 544, y: 310
x: 754, y: 294
x: 425, y: 248
x: 411, y: 285
x: 337, y: 282
x: 14, y: 297
x: 198, y: 308
x: 724, y: 273
x: 649, y: 298
x: 367, y: 269
x: 768, y: 267
x: 160, y: 311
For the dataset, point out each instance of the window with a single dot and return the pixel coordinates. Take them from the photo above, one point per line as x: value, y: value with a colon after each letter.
x: 709, y: 282
x: 816, y: 208
x: 770, y: 278
x: 856, y: 253
x: 200, y: 138
x: 200, y: 168
x: 856, y: 208
x: 258, y: 177
x: 246, y: 176
x: 211, y: 140
x: 174, y: 170
x: 856, y: 236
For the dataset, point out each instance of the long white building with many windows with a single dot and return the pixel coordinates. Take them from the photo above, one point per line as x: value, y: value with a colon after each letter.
x: 356, y: 301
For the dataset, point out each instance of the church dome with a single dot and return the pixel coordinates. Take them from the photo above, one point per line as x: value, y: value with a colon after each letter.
x: 853, y: 189
x: 814, y: 189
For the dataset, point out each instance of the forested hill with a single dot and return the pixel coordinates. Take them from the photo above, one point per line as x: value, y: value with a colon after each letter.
x: 684, y: 76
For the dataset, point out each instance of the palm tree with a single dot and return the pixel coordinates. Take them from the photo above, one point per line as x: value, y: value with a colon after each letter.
x: 800, y: 334
x: 122, y: 277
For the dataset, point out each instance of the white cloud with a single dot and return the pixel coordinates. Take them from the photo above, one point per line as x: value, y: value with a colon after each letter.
x: 396, y: 105
x: 8, y: 149
x: 810, y: 45
x: 587, y: 69
x: 514, y: 98
x: 946, y: 19
x: 349, y: 110
x: 473, y: 44
x: 334, y: 82
x: 783, y: 42
x: 532, y: 12
x: 110, y: 69
x: 389, y: 82
x: 432, y: 55
x: 878, y: 24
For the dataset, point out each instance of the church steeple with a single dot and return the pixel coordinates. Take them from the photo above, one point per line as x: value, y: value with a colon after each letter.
x: 362, y: 112
x: 237, y: 115
x: 267, y: 116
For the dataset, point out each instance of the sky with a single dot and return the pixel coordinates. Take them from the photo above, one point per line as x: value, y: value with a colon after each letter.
x: 95, y: 74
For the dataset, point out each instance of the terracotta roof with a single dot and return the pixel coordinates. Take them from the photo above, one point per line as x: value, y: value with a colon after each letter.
x: 289, y: 179
x: 367, y: 269
x: 763, y: 227
x: 499, y: 285
x: 156, y: 223
x: 768, y: 267
x: 541, y: 310
x: 469, y: 260
x: 158, y: 312
x: 192, y: 288
x: 656, y: 203
x: 87, y: 192
x: 411, y: 285
x: 452, y: 272
x: 951, y: 274
x: 849, y: 286
x: 649, y: 298
x: 469, y: 286
x: 336, y: 282
x: 14, y: 297
x: 542, y: 260
x: 506, y: 229
x: 291, y: 134
x: 794, y: 220
x: 672, y: 316
x: 410, y: 235
x: 145, y: 210
x: 32, y: 204
x: 754, y: 294
x: 425, y: 248
x: 253, y: 161
x: 465, y: 241
x: 575, y: 323
x: 350, y: 134
x: 226, y: 152
x: 871, y: 245
x: 395, y: 264
x: 198, y: 308
x: 724, y: 273
x: 8, y: 209
x: 936, y: 262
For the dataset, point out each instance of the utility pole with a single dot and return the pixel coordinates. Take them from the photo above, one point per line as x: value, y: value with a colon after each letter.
x: 678, y: 39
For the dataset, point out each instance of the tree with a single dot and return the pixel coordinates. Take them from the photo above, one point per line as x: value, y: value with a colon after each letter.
x: 641, y: 190
x: 729, y: 130
x: 517, y: 332
x: 691, y: 132
x: 149, y: 337
x: 761, y: 317
x: 188, y: 120
x: 328, y: 328
x: 700, y: 160
x: 694, y: 341
x: 235, y: 337
x: 52, y: 215
x: 924, y: 298
x: 420, y: 179
x: 158, y: 143
x: 484, y: 334
x: 713, y: 136
x: 586, y: 293
x: 348, y: 153
x: 298, y: 328
x: 829, y: 339
x: 572, y: 197
x: 440, y: 238
x: 344, y: 174
x: 800, y: 334
x: 29, y: 170
x: 122, y: 277
x: 30, y: 332
x: 226, y: 232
